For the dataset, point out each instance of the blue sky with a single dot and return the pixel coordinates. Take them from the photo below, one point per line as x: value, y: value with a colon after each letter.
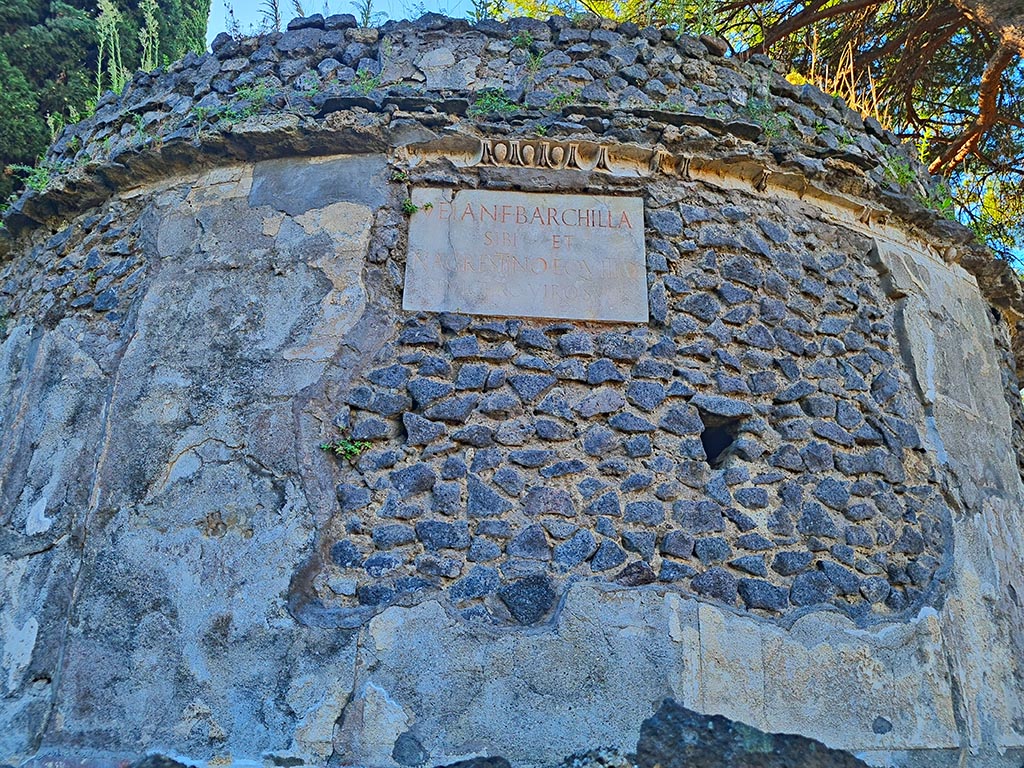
x: 249, y: 16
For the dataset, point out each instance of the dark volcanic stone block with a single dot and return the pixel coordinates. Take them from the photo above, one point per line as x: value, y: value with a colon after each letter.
x: 717, y: 583
x: 528, y: 599
x: 606, y: 504
x: 549, y: 501
x: 575, y: 550
x: 414, y: 479
x: 641, y: 542
x: 389, y: 536
x: 482, y: 501
x: 295, y: 189
x: 676, y: 737
x: 722, y: 406
x: 788, y: 563
x: 609, y: 555
x: 698, y: 516
x: 420, y: 431
x: 712, y: 550
x: 635, y: 574
x: 436, y: 534
x: 345, y: 554
x: 756, y: 593
x: 483, y: 551
x: 530, y: 543
x: 811, y: 588
x: 646, y: 512
x: 480, y: 762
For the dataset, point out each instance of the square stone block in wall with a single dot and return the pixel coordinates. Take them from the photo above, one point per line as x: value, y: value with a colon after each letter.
x: 576, y: 257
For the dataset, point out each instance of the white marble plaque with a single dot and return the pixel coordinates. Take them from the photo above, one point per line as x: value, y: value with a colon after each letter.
x: 524, y: 254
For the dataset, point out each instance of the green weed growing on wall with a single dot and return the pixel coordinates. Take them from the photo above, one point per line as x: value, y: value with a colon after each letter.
x: 491, y: 103
x: 37, y: 177
x: 345, y: 448
x: 366, y: 81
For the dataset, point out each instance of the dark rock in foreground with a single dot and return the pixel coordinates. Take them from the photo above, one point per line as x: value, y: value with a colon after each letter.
x: 481, y: 762
x: 158, y: 761
x: 677, y: 737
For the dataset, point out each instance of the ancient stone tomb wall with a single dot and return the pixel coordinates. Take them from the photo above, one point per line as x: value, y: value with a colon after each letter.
x: 725, y: 452
x: 754, y: 442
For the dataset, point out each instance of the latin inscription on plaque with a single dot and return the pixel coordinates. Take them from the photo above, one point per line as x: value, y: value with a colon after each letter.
x: 578, y: 257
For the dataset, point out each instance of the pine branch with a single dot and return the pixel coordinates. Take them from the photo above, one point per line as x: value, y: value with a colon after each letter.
x: 988, y: 102
x: 806, y: 18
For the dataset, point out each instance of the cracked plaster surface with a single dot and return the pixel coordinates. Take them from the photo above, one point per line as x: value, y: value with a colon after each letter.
x: 158, y: 564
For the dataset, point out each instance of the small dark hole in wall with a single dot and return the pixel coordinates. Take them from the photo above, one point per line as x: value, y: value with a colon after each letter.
x: 718, y: 437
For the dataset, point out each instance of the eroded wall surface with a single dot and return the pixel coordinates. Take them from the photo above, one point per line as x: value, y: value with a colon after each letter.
x: 533, y: 553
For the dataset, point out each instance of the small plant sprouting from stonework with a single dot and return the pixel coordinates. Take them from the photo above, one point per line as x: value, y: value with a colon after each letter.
x: 257, y: 96
x: 717, y: 111
x: 317, y: 86
x: 259, y: 92
x: 565, y: 99
x: 491, y: 103
x: 271, y: 13
x: 757, y: 109
x: 409, y: 207
x: 486, y: 9
x: 365, y: 13
x: 202, y: 114
x: 366, y: 81
x: 897, y: 170
x: 140, y: 129
x: 672, y: 106
x: 761, y: 112
x: 248, y: 101
x: 522, y: 40
x: 345, y: 448
x: 940, y: 200
x: 55, y: 123
x: 38, y: 177
x: 777, y: 125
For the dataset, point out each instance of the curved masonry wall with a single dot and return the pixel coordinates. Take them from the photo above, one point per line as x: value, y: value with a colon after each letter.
x: 531, y: 547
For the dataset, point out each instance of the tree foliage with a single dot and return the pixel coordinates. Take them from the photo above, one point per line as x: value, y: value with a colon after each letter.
x: 22, y: 128
x: 934, y: 71
x: 49, y: 55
